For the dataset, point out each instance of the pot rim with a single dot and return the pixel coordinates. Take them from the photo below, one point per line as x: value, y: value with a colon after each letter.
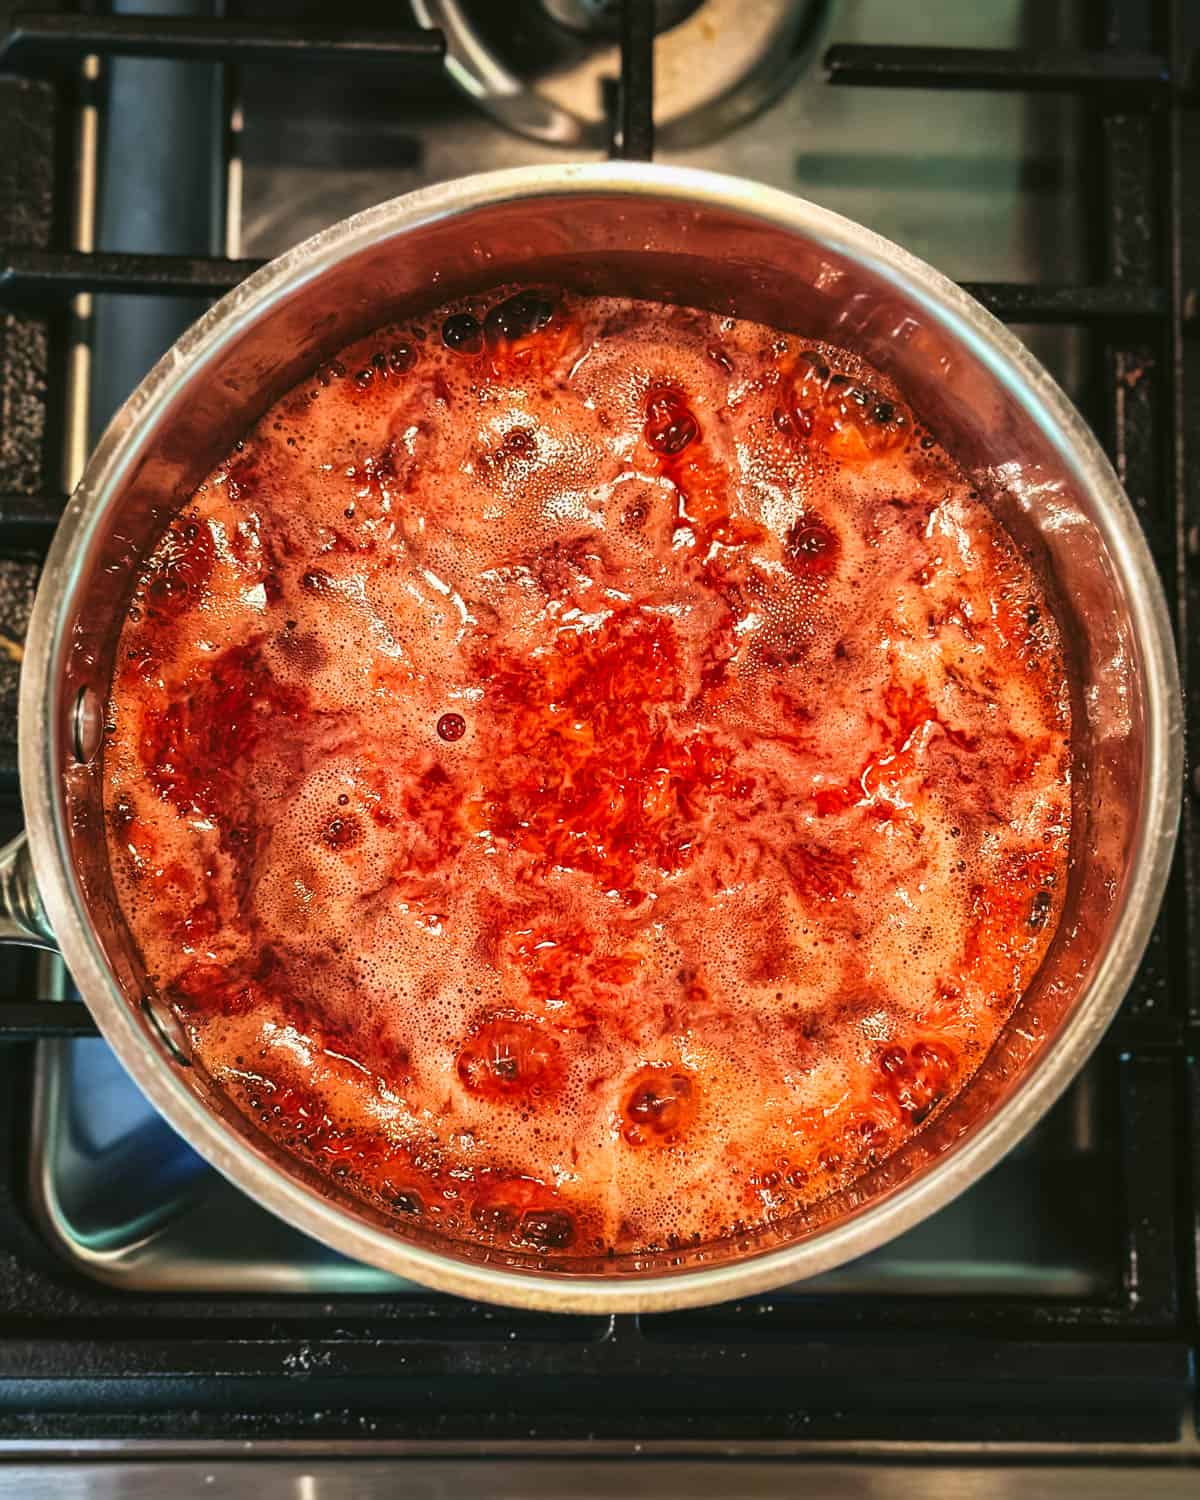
x: 1009, y: 362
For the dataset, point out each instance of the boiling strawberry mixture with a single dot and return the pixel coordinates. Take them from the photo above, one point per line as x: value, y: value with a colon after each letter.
x: 591, y: 776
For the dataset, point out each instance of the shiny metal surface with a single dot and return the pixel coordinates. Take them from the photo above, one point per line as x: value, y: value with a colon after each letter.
x: 22, y: 916
x: 126, y: 1201
x: 714, y: 69
x: 718, y: 243
x: 123, y: 1199
x: 985, y: 186
x: 603, y: 17
x: 613, y: 1479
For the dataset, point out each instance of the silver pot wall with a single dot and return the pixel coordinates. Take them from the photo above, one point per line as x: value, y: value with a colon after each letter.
x: 711, y: 242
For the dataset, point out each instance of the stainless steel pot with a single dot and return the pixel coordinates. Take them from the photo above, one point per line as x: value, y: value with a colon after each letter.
x: 685, y: 237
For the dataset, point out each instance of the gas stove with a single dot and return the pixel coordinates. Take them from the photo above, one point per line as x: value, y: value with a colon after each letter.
x: 1040, y: 153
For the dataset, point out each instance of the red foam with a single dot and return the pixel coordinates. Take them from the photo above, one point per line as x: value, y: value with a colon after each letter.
x: 590, y: 779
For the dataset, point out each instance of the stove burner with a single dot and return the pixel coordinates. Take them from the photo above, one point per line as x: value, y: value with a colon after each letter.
x: 603, y: 17
x: 548, y: 68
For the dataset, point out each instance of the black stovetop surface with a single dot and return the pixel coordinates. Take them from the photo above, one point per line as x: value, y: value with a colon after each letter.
x: 81, y: 1361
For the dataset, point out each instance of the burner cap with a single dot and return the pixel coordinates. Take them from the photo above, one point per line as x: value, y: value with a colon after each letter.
x: 603, y: 17
x: 548, y: 68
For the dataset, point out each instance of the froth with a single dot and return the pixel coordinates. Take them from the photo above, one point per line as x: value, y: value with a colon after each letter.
x: 595, y: 778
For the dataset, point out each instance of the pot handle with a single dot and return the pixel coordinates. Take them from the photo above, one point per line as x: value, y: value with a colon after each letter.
x: 22, y: 916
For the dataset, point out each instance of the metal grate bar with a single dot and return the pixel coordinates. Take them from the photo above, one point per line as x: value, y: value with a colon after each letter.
x: 635, y: 97
x: 28, y: 522
x: 33, y: 1020
x: 27, y: 275
x: 1123, y: 74
x: 1040, y: 303
x: 39, y: 39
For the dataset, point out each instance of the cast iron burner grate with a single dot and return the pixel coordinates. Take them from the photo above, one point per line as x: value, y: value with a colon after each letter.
x: 1107, y: 1372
